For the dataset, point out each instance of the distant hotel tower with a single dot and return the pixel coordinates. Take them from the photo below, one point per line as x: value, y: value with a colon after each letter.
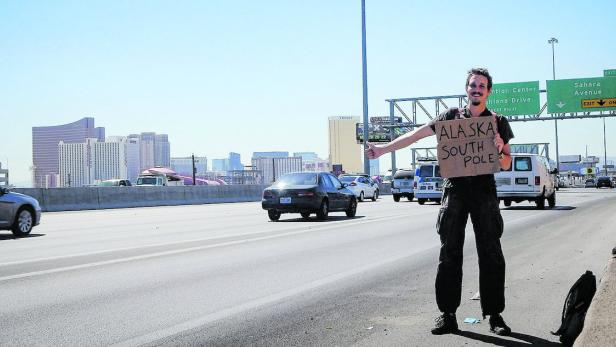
x: 45, y: 155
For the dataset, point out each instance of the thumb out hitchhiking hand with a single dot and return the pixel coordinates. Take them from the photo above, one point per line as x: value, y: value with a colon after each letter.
x: 372, y: 151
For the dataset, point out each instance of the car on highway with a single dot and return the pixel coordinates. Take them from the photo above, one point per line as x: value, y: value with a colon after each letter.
x: 363, y: 186
x: 428, y: 183
x: 387, y: 178
x: 115, y: 183
x: 590, y: 183
x: 604, y: 181
x: 18, y: 212
x: 529, y: 178
x: 306, y: 193
x: 402, y: 184
x: 563, y: 182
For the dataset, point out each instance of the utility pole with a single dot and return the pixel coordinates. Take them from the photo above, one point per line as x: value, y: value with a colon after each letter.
x: 365, y: 85
x: 194, y: 170
x: 552, y: 41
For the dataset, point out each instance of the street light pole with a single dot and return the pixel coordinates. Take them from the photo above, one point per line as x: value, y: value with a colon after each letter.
x: 365, y: 85
x: 552, y: 41
x: 604, y: 149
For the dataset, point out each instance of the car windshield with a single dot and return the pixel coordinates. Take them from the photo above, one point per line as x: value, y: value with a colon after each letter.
x: 404, y: 174
x: 347, y: 179
x: 146, y: 180
x: 297, y: 179
x: 590, y: 180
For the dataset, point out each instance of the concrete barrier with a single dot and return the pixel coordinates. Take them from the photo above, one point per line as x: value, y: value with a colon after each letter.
x: 600, y: 324
x: 91, y: 198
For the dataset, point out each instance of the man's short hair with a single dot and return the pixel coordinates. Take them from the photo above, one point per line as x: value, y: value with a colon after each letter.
x: 482, y: 72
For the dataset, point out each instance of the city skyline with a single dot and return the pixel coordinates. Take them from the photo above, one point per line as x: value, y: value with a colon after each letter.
x: 220, y: 77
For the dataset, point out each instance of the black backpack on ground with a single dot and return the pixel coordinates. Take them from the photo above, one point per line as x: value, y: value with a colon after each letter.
x: 574, y: 311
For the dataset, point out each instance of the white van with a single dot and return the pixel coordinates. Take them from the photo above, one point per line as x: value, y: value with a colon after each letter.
x: 528, y: 179
x: 428, y: 183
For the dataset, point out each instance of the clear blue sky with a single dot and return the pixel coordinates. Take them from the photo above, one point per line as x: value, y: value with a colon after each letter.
x: 244, y: 76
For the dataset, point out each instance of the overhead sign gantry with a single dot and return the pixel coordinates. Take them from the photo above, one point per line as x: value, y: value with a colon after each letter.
x: 519, y: 101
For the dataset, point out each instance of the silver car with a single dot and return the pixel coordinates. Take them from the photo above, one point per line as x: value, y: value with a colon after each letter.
x: 18, y: 212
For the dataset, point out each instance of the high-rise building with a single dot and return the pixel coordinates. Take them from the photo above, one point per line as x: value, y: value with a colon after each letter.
x: 220, y: 165
x: 274, y: 167
x: 86, y: 163
x: 270, y: 154
x: 76, y: 163
x: 110, y: 159
x: 306, y: 155
x: 162, y: 150
x: 45, y: 140
x: 374, y: 167
x: 146, y: 150
x: 154, y: 150
x: 184, y: 165
x: 235, y: 162
x: 4, y: 176
x: 231, y: 163
x: 133, y: 162
x: 343, y: 147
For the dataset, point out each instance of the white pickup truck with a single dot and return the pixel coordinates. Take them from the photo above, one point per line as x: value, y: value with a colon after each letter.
x: 159, y: 180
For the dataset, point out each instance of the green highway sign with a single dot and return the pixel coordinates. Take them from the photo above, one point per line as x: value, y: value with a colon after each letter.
x: 515, y: 99
x: 609, y: 73
x: 581, y: 95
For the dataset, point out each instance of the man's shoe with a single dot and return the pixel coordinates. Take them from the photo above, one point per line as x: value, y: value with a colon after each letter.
x: 498, y: 326
x: 445, y: 324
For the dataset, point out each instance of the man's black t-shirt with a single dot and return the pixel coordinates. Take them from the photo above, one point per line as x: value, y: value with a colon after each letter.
x: 504, y: 131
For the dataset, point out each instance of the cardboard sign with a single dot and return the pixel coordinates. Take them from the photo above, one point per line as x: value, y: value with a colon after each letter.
x: 466, y: 147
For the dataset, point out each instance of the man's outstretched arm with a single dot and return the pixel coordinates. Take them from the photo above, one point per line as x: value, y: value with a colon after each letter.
x: 374, y: 151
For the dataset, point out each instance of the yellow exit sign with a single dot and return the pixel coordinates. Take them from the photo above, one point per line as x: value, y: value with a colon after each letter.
x: 598, y: 103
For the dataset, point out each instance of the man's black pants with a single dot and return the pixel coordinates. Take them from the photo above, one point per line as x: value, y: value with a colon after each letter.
x: 482, y: 205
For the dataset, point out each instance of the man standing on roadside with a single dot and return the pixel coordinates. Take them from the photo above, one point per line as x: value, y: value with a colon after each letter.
x: 474, y: 195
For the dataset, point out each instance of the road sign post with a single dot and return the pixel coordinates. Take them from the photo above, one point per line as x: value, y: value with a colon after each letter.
x: 581, y: 95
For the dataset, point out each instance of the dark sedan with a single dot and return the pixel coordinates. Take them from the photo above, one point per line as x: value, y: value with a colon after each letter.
x: 307, y: 193
x: 604, y: 181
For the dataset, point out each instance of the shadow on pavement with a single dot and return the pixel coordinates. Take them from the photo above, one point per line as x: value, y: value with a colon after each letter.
x: 314, y: 219
x: 526, y: 208
x: 4, y: 237
x: 525, y: 340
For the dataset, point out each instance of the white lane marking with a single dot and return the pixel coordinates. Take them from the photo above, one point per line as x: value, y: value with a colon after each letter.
x: 212, y: 317
x: 152, y: 245
x: 185, y: 250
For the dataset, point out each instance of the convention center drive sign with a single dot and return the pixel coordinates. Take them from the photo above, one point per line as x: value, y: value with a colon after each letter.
x: 515, y: 99
x: 466, y: 147
x: 581, y: 95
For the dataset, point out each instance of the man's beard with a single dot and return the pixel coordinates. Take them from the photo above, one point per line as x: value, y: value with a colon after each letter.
x: 476, y: 103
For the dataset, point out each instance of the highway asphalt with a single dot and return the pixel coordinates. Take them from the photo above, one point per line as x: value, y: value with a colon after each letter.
x: 223, y: 274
